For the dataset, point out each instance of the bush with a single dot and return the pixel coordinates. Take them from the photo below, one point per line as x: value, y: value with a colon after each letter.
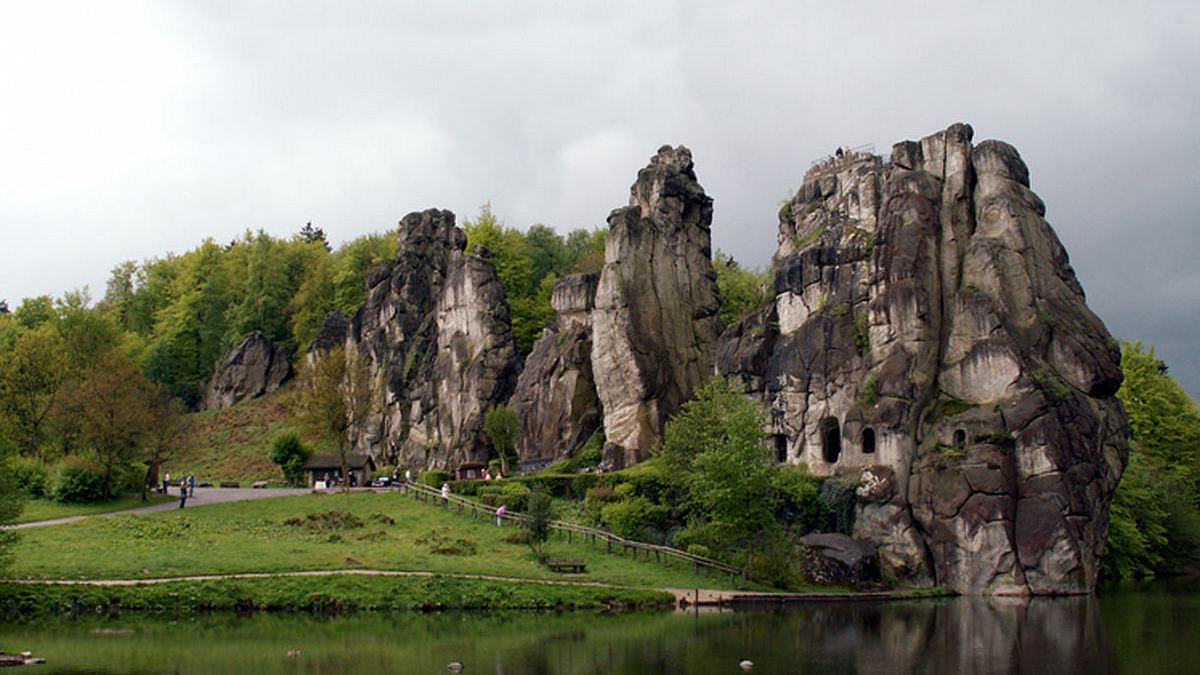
x: 31, y: 476
x: 595, y: 500
x: 800, y: 504
x: 636, y: 518
x: 838, y: 497
x: 539, y: 514
x: 290, y: 455
x: 387, y: 470
x: 433, y: 478
x: 78, y: 483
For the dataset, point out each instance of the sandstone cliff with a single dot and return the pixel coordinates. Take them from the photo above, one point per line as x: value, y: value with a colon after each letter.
x: 655, y: 322
x: 255, y: 367
x: 556, y: 397
x: 436, y: 332
x: 929, y: 335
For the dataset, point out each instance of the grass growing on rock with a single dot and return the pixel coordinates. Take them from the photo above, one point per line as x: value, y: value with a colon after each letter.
x: 388, y: 531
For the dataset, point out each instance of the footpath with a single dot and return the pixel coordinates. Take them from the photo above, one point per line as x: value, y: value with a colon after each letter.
x: 202, y: 497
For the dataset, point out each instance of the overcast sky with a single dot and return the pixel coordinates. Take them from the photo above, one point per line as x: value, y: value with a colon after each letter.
x: 128, y: 130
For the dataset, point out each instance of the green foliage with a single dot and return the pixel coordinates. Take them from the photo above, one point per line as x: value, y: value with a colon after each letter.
x: 289, y: 453
x: 504, y: 429
x: 433, y: 478
x: 869, y: 394
x: 79, y: 482
x: 539, y: 512
x: 11, y: 502
x: 30, y: 475
x: 715, y: 444
x: 743, y: 290
x: 801, y: 506
x: 635, y: 518
x: 862, y: 334
x: 1154, y: 521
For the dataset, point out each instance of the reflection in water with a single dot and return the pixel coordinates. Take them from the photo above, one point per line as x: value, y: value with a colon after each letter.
x: 1118, y: 632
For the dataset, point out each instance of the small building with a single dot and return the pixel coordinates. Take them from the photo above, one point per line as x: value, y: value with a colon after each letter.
x: 469, y: 471
x: 326, y: 470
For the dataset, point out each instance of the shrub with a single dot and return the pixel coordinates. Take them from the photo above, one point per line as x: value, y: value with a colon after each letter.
x: 801, y: 506
x: 635, y: 518
x: 595, y: 499
x: 289, y: 454
x: 516, y: 496
x: 78, y: 483
x: 540, y: 513
x: 31, y: 476
x: 838, y: 496
x: 433, y: 478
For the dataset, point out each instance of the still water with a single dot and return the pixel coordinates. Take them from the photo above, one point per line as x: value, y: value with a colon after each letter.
x: 1155, y: 629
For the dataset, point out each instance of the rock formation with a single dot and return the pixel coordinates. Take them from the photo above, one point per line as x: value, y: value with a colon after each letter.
x: 929, y: 334
x: 436, y: 332
x: 255, y: 367
x: 655, y: 322
x: 556, y: 397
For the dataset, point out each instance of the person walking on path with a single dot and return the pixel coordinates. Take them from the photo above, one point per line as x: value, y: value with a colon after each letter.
x: 182, y: 493
x: 446, y: 495
x: 500, y: 514
x: 192, y: 485
x: 167, y: 483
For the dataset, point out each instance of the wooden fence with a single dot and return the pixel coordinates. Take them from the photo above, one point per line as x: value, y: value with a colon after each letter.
x: 570, y: 531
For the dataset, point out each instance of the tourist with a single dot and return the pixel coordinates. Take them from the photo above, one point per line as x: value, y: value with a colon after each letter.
x: 191, y: 485
x: 408, y: 475
x: 182, y: 493
x: 166, y: 483
x: 840, y: 153
x: 500, y: 511
x: 446, y: 495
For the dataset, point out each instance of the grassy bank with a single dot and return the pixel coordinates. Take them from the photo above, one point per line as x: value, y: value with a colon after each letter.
x: 48, y: 509
x: 322, y: 595
x: 375, y: 531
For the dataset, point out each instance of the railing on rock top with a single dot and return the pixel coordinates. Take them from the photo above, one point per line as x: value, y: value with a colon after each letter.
x: 662, y: 554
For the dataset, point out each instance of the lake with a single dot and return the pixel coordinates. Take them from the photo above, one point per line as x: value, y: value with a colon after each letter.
x: 1151, y: 629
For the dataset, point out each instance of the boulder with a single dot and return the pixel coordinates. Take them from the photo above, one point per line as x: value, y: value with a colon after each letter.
x: 255, y: 367
x: 929, y: 335
x: 654, y: 324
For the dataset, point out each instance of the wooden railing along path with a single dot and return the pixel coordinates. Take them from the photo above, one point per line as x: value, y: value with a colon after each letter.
x: 662, y: 554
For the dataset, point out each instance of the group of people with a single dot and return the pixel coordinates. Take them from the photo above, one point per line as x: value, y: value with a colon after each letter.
x: 187, y: 488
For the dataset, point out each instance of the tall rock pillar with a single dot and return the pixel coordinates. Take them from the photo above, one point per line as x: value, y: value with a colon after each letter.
x: 655, y: 322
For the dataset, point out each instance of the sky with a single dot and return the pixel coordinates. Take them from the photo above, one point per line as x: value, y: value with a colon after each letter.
x: 129, y: 130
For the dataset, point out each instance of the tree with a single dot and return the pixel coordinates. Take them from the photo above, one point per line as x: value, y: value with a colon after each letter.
x: 165, y: 422
x: 11, y: 502
x: 335, y: 393
x: 743, y: 290
x: 539, y: 513
x: 289, y: 454
x: 502, y: 426
x: 1154, y: 521
x: 716, y: 444
x: 114, y: 406
x: 314, y: 235
x: 32, y: 376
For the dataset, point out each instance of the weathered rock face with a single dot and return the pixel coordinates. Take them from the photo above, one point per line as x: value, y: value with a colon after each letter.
x: 832, y: 558
x: 332, y: 334
x: 255, y: 367
x: 655, y: 321
x: 436, y: 331
x: 556, y: 397
x: 929, y: 332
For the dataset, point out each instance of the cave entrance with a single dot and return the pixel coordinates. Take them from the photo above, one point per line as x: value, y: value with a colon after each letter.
x: 868, y: 441
x: 960, y: 439
x: 781, y: 455
x: 831, y: 439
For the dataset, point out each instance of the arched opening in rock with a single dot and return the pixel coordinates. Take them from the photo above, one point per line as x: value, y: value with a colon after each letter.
x: 831, y: 439
x: 960, y: 438
x: 868, y: 441
x: 781, y: 448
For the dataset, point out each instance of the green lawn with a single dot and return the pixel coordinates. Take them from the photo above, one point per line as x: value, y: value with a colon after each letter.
x: 398, y: 534
x: 48, y: 509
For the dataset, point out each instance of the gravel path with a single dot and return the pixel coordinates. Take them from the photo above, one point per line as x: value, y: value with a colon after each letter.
x: 203, y: 497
